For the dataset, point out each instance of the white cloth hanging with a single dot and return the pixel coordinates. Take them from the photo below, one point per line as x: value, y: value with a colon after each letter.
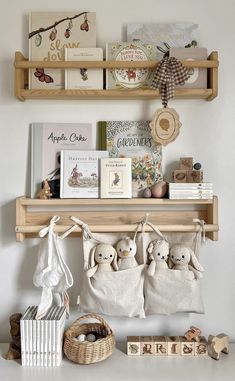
x: 52, y: 273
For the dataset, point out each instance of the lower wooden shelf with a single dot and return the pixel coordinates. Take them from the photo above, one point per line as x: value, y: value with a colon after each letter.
x: 116, y: 215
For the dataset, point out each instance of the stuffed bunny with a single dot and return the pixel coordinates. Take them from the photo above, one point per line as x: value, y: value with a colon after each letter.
x: 183, y: 258
x: 126, y: 250
x: 158, y: 251
x: 103, y: 258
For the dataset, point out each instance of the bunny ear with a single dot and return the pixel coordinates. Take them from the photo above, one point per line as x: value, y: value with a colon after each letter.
x: 114, y: 263
x: 150, y: 248
x: 92, y: 257
x: 195, y: 262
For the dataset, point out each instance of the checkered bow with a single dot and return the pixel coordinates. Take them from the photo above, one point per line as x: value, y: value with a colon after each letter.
x: 169, y: 72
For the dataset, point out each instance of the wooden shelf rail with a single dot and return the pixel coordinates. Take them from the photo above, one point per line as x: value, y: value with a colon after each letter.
x: 121, y: 215
x: 22, y: 66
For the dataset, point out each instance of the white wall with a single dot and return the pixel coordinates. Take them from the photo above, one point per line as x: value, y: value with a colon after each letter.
x: 207, y: 134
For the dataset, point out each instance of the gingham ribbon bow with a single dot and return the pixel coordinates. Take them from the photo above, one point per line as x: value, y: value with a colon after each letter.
x: 169, y: 72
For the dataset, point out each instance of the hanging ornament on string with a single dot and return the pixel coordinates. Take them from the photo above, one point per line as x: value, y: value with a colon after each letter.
x: 38, y: 40
x: 85, y: 25
x: 67, y: 32
x: 52, y: 35
x: 166, y: 124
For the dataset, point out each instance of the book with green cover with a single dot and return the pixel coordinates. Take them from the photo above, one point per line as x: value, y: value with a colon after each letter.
x: 133, y: 139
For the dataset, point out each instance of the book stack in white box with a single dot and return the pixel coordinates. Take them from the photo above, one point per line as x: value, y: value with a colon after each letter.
x: 41, y: 340
x: 195, y: 191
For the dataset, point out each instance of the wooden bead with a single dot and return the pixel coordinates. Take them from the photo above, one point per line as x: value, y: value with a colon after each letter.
x: 159, y: 189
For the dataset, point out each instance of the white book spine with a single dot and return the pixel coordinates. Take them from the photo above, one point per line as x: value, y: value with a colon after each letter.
x: 34, y: 340
x: 41, y: 342
x: 60, y: 332
x: 22, y: 335
x: 38, y: 323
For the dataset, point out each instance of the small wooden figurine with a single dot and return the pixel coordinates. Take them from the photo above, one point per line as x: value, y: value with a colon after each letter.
x: 45, y: 192
x: 217, y: 344
x: 193, y: 334
x: 14, y: 351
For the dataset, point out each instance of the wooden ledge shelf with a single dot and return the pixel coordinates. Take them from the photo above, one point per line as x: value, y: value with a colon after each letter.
x: 22, y: 66
x: 116, y: 215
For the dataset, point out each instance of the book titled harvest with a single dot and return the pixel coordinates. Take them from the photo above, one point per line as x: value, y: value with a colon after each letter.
x: 132, y: 77
x: 47, y: 140
x: 49, y: 34
x: 80, y: 173
x: 84, y: 78
x: 133, y: 139
x: 115, y: 178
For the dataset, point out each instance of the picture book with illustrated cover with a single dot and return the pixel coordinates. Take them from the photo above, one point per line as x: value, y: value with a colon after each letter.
x: 49, y: 34
x: 133, y: 139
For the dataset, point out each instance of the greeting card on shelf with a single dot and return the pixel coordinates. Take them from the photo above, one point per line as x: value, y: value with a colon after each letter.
x: 132, y: 77
x: 115, y: 178
x: 47, y: 140
x: 134, y: 140
x: 80, y: 173
x: 164, y: 35
x: 198, y: 76
x: 49, y: 34
x: 84, y: 78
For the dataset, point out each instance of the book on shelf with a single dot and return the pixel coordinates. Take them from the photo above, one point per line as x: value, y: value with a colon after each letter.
x: 47, y: 140
x: 41, y: 340
x: 164, y: 35
x: 191, y: 190
x: 198, y: 76
x: 80, y: 173
x: 115, y: 178
x: 129, y: 77
x: 133, y: 139
x: 190, y: 186
x: 83, y: 78
x: 49, y: 34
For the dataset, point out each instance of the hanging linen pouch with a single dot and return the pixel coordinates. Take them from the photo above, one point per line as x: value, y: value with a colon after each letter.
x: 169, y: 290
x: 115, y: 293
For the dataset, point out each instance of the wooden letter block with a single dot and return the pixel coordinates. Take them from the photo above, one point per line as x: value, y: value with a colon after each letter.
x: 146, y: 345
x: 133, y: 345
x: 160, y: 345
x: 194, y: 176
x: 187, y: 347
x: 201, y: 348
x: 186, y: 163
x: 180, y: 176
x: 173, y: 345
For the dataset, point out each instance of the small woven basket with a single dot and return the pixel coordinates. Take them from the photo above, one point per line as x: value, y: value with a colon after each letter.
x: 88, y: 352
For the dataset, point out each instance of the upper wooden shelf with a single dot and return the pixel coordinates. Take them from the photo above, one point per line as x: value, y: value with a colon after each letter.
x: 22, y: 66
x: 116, y: 215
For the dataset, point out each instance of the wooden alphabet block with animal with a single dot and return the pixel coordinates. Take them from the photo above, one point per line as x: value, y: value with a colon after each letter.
x: 186, y: 163
x: 146, y: 345
x: 133, y: 345
x: 187, y: 347
x: 201, y: 347
x: 173, y: 346
x: 160, y: 345
x: 180, y: 176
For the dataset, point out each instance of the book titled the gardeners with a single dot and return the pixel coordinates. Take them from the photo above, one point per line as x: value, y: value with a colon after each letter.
x: 133, y: 139
x: 80, y: 173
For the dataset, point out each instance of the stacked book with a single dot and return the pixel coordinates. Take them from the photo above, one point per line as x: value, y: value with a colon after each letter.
x: 195, y: 191
x: 41, y: 340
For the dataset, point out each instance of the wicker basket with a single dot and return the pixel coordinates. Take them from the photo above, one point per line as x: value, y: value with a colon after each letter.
x: 86, y: 352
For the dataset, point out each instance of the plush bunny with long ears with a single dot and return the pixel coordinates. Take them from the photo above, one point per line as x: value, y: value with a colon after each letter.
x: 103, y: 258
x: 183, y: 258
x: 126, y: 250
x: 158, y: 251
